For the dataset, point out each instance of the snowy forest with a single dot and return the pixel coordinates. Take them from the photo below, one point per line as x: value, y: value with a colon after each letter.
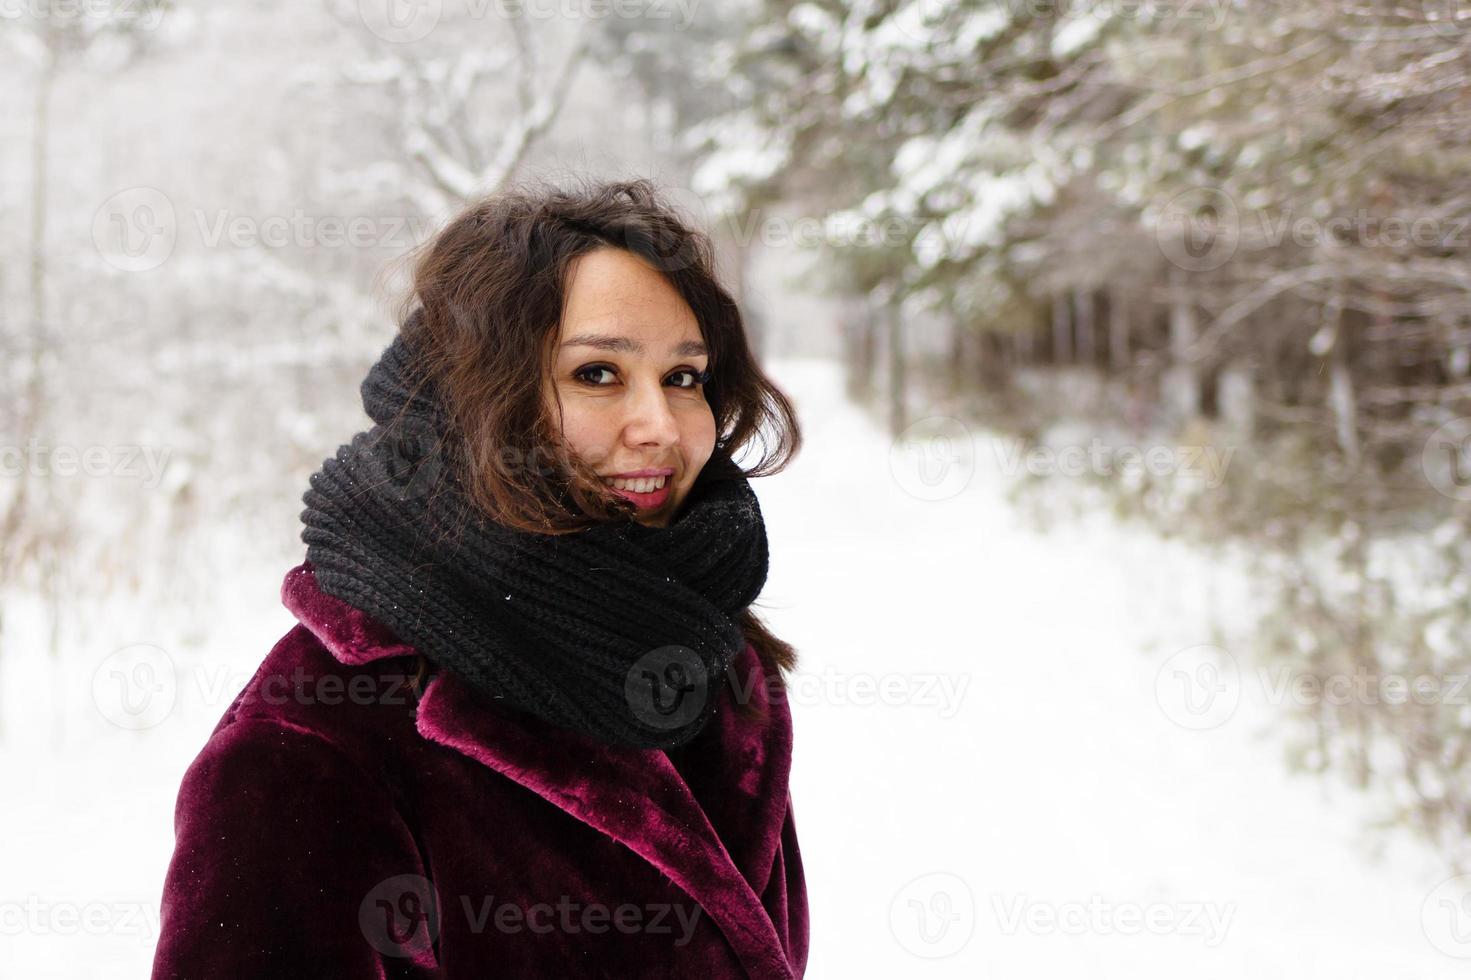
x: 1196, y: 270
x: 1238, y: 226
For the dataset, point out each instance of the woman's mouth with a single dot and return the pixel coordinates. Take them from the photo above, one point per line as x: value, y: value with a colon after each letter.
x: 647, y: 492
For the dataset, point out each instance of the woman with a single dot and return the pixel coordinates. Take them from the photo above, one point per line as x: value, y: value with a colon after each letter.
x: 527, y: 724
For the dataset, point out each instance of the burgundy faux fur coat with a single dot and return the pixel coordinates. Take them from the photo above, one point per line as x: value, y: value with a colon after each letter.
x: 336, y: 826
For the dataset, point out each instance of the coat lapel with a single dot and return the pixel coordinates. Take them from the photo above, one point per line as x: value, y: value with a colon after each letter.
x: 634, y: 796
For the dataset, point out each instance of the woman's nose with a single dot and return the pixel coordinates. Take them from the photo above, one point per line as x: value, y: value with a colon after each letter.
x: 648, y: 417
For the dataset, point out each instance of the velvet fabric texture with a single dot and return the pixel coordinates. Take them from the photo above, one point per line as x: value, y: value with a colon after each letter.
x: 336, y: 825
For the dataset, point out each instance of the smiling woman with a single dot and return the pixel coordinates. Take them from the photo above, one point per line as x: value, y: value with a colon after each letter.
x: 544, y: 550
x: 639, y: 412
x: 529, y: 293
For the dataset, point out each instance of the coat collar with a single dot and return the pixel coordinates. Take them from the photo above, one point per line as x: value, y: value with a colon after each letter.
x: 635, y: 796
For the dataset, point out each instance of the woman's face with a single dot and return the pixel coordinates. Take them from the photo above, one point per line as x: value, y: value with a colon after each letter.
x: 628, y: 353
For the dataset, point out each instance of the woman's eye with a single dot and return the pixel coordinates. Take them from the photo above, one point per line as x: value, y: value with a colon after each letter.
x: 581, y: 374
x: 587, y: 375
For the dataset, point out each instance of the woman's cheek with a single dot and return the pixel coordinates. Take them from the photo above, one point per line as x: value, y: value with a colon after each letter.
x: 699, y: 439
x: 586, y: 434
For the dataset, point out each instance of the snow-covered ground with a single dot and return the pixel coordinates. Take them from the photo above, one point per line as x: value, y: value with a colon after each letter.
x: 1079, y: 812
x: 1002, y: 767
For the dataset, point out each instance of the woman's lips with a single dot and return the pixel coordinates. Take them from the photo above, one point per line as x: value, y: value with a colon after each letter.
x: 646, y: 501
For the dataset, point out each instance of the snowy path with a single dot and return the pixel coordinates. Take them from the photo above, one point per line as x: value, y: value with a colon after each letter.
x: 1057, y: 817
x: 1044, y: 777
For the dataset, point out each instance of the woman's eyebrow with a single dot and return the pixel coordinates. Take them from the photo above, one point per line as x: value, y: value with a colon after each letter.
x: 685, y: 348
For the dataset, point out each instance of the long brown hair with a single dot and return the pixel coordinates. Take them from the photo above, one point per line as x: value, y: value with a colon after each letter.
x: 484, y: 309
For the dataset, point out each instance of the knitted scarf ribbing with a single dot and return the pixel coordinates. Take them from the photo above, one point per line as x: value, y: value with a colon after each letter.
x: 622, y: 632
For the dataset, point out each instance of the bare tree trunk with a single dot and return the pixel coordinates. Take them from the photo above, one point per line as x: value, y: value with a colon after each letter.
x: 52, y: 589
x: 1118, y: 330
x: 1062, y: 341
x: 995, y: 353
x: 1184, y: 329
x: 1083, y: 324
x: 1341, y: 397
x: 898, y: 380
x: 29, y: 415
x: 860, y: 334
x: 960, y: 364
x: 30, y: 411
x: 740, y: 264
x: 1026, y: 347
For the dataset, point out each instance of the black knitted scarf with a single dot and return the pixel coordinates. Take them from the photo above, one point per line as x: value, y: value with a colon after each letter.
x: 621, y: 632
